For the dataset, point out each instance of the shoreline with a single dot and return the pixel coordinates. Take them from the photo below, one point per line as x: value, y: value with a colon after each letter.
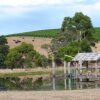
x: 86, y: 94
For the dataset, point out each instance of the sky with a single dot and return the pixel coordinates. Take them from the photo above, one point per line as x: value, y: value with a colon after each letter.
x: 29, y: 15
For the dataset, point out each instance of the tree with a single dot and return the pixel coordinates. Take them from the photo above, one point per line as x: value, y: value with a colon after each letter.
x: 75, y: 36
x: 3, y: 40
x: 24, y: 56
x: 83, y: 25
x: 67, y: 24
x: 13, y: 59
x: 80, y: 23
x: 3, y: 51
x: 72, y: 49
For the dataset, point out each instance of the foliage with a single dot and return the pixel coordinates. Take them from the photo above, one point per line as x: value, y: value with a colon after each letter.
x: 3, y: 50
x: 81, y: 24
x: 63, y: 39
x: 24, y: 48
x: 75, y: 36
x: 45, y: 46
x: 24, y: 56
x: 13, y: 58
x: 84, y: 46
x: 97, y: 34
x: 3, y: 40
x: 72, y: 49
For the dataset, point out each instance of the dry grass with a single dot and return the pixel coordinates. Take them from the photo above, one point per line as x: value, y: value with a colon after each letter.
x: 37, y: 43
x: 35, y: 72
x: 97, y: 48
x: 30, y: 70
x: 90, y: 94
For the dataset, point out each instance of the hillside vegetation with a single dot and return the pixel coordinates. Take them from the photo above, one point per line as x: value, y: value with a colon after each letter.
x: 41, y: 33
x: 51, y: 33
x: 40, y: 40
x: 97, y: 33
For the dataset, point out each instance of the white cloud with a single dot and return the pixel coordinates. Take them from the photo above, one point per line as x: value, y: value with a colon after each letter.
x: 90, y: 9
x: 18, y: 7
x: 37, y: 2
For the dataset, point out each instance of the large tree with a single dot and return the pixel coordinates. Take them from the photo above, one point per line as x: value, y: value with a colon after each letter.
x: 80, y: 23
x: 4, y: 48
x: 78, y: 29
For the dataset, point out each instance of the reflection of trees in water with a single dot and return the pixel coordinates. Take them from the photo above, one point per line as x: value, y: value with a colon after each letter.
x: 14, y: 83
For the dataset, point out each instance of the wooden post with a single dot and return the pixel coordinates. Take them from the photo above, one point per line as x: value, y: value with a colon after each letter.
x: 69, y: 83
x: 69, y: 70
x: 81, y: 85
x: 96, y: 69
x: 77, y: 85
x: 76, y: 70
x: 80, y: 70
x: 53, y: 72
x: 65, y: 75
x: 96, y: 85
x: 69, y: 74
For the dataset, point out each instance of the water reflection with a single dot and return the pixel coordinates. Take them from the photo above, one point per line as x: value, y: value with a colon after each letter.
x: 15, y: 83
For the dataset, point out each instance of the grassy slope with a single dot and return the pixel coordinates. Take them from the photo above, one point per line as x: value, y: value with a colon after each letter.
x: 52, y: 33
x: 97, y: 33
x: 40, y: 33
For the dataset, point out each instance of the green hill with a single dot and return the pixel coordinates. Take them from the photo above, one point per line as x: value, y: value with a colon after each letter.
x: 40, y: 33
x: 97, y: 33
x: 51, y: 33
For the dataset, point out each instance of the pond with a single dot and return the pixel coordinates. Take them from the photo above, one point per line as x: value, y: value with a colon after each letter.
x: 15, y: 83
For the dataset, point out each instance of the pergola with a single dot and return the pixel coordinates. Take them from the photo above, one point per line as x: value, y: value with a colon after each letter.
x: 86, y: 58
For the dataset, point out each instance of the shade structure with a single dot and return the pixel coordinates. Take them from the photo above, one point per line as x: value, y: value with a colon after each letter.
x: 87, y: 57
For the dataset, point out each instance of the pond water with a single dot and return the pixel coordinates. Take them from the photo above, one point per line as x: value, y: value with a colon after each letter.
x: 14, y: 83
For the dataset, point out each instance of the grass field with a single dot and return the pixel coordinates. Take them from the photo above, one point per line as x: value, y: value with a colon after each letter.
x: 40, y: 33
x: 28, y: 72
x: 97, y: 33
x: 52, y: 33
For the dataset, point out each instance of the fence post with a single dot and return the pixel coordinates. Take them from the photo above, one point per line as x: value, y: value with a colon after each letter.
x: 53, y: 72
x: 65, y: 74
x: 80, y: 70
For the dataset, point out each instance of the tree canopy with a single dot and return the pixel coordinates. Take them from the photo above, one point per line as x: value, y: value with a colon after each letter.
x: 75, y: 30
x: 24, y: 56
x: 3, y: 51
x: 80, y: 23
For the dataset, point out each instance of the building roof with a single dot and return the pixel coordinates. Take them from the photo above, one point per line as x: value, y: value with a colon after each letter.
x: 87, y: 57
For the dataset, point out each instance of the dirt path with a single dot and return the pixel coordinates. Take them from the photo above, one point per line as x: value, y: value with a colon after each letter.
x: 93, y: 94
